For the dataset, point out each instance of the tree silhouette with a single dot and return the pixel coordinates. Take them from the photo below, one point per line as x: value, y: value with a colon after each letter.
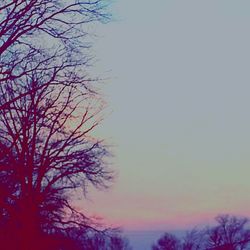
x: 194, y: 239
x: 111, y: 240
x: 230, y: 233
x: 47, y: 153
x: 167, y: 242
x: 48, y: 109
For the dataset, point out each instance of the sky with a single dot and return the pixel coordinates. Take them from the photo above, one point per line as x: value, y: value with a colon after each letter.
x: 178, y: 112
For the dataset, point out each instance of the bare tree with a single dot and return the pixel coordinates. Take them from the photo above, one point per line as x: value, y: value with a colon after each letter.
x: 47, y: 153
x: 111, y: 240
x: 195, y: 239
x: 167, y: 242
x: 48, y: 109
x: 118, y: 242
x: 230, y: 233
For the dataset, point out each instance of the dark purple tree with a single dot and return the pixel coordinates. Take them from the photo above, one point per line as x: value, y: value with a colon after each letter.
x: 231, y: 233
x: 47, y: 154
x: 194, y: 239
x: 48, y: 109
x: 167, y: 242
x: 111, y: 240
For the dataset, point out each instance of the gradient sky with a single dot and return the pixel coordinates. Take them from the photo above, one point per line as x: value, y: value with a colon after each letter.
x: 180, y: 122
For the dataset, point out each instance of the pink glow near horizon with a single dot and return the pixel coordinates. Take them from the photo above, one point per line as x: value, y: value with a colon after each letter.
x: 150, y: 216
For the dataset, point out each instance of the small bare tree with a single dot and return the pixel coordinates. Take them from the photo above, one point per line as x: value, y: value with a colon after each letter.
x: 230, y: 233
x: 194, y: 239
x: 111, y: 240
x: 167, y: 242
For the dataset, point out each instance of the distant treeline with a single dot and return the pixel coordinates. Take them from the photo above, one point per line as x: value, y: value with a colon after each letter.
x: 229, y: 233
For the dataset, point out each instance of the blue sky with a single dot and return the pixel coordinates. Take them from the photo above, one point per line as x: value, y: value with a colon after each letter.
x: 178, y: 99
